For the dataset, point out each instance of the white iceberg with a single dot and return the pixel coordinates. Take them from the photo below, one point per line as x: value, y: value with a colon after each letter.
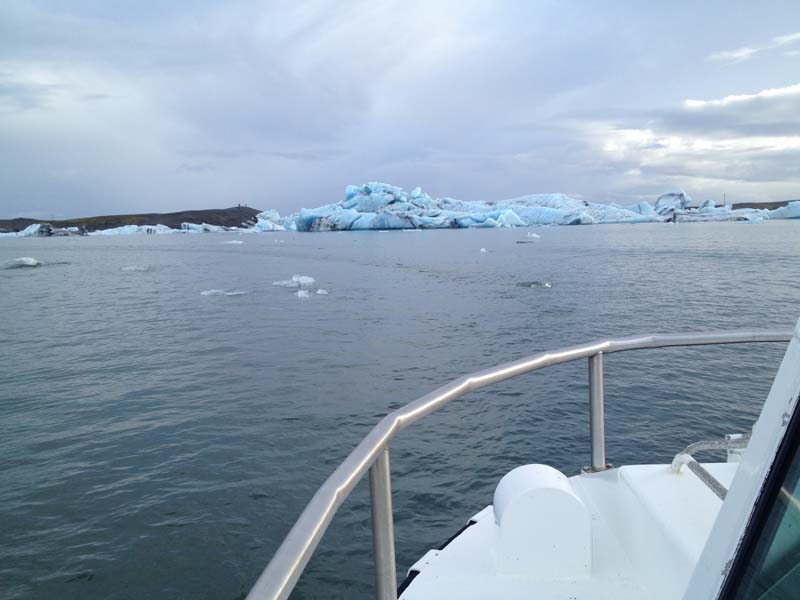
x: 134, y: 229
x: 302, y: 293
x: 296, y: 281
x: 234, y: 242
x: 269, y: 220
x: 216, y: 292
x: 322, y: 292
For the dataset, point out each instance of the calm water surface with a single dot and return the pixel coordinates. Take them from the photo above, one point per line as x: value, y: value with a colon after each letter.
x: 158, y: 443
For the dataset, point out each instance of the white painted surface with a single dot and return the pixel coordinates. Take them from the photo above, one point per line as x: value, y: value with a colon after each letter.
x: 648, y: 526
x: 543, y: 525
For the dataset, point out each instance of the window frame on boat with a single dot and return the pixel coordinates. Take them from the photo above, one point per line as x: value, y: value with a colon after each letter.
x: 747, y: 573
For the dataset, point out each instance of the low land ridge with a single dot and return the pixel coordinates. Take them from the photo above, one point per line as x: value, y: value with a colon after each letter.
x: 226, y: 217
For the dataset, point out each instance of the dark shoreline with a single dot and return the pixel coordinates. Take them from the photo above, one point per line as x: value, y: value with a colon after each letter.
x: 767, y: 205
x: 236, y: 216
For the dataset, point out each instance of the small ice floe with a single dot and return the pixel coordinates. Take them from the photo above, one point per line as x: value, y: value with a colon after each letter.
x: 234, y: 242
x: 224, y: 293
x: 295, y: 281
x: 322, y: 292
x: 279, y: 241
x: 533, y: 235
x: 301, y: 293
x: 135, y: 268
x: 535, y: 284
x: 21, y: 262
x: 484, y: 250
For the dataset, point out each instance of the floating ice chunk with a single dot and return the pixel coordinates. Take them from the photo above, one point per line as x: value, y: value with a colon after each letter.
x: 216, y: 292
x: 30, y: 230
x: 303, y: 280
x: 203, y: 228
x: 533, y: 235
x: 296, y: 281
x: 21, y: 262
x: 535, y: 284
x: 135, y: 268
x: 322, y: 292
x: 132, y: 229
x: 752, y: 218
x: 234, y: 242
x: 269, y: 220
x: 790, y: 211
x: 301, y: 293
x: 483, y: 250
x: 673, y: 201
x: 642, y: 208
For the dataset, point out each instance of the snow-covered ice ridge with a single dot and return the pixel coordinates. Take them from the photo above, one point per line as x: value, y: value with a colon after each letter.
x: 384, y: 206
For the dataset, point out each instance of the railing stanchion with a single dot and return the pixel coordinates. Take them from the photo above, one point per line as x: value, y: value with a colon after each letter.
x: 597, y: 424
x: 380, y: 487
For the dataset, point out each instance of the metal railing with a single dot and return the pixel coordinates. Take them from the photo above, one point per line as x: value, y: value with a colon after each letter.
x: 372, y: 454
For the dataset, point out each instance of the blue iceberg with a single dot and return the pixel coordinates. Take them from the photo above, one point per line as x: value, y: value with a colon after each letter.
x: 381, y: 206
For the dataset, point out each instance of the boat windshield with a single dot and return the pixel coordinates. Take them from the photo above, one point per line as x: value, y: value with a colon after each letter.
x: 772, y: 571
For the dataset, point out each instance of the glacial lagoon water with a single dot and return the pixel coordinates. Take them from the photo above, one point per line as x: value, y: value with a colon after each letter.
x: 158, y: 442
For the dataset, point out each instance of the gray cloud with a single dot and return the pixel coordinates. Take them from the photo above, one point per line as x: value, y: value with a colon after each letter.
x: 107, y: 108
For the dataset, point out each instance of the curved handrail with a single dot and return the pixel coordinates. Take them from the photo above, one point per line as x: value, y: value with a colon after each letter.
x: 281, y: 574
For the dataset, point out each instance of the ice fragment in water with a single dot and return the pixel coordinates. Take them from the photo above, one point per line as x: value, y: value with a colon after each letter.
x: 21, y: 262
x: 322, y: 292
x: 533, y: 235
x: 295, y: 281
x: 237, y: 242
x: 302, y: 293
x: 212, y: 292
x: 483, y: 250
x: 236, y: 293
x: 135, y: 268
x: 535, y: 284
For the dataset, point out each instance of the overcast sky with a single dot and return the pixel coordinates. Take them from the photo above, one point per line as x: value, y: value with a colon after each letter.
x: 110, y: 107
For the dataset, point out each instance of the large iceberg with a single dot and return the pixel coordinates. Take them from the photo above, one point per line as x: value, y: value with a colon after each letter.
x: 383, y: 206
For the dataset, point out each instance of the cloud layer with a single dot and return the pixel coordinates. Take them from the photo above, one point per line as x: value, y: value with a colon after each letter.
x: 108, y: 109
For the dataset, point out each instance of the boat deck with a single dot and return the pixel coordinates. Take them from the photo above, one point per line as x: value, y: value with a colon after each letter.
x: 648, y: 527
